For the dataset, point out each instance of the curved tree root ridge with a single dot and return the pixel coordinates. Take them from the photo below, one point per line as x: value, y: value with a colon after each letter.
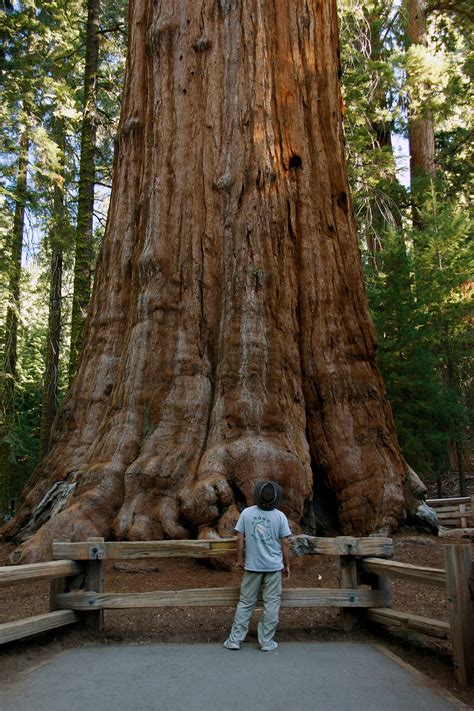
x: 229, y: 337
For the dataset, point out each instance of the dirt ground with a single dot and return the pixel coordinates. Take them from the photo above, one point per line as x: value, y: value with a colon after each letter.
x: 428, y: 655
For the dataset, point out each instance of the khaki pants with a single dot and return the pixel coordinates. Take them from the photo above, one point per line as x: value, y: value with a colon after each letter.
x: 271, y: 593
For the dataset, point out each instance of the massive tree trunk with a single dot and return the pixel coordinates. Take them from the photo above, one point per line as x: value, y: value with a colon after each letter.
x: 229, y: 337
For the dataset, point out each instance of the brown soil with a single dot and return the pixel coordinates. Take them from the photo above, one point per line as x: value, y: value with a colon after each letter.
x: 430, y: 656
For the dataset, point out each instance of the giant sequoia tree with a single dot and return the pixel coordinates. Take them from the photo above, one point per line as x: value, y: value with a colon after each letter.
x: 229, y: 337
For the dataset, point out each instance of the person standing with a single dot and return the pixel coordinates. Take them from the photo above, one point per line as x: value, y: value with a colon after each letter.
x: 263, y: 533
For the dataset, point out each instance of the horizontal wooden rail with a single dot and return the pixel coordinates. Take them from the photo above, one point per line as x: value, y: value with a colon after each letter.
x: 218, y: 597
x: 449, y: 510
x: 123, y: 550
x: 17, y: 574
x: 342, y: 546
x: 453, y: 501
x: 410, y: 621
x: 458, y: 522
x: 10, y: 631
x: 126, y: 550
x: 404, y: 571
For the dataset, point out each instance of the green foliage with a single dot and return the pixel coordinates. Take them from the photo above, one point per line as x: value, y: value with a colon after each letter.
x: 417, y: 281
x: 420, y: 313
x: 369, y: 55
x: 23, y: 435
x: 41, y: 68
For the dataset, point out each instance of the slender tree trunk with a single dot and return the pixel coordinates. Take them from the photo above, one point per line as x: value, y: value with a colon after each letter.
x: 85, y: 206
x: 381, y: 127
x: 439, y: 483
x: 463, y: 490
x: 420, y: 123
x: 453, y: 383
x: 7, y: 410
x: 51, y: 372
x: 53, y: 337
x: 382, y: 141
x: 229, y: 337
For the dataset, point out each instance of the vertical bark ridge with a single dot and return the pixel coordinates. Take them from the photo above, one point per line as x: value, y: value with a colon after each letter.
x: 350, y: 407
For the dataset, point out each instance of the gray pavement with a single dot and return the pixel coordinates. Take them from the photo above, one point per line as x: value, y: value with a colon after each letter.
x: 334, y: 676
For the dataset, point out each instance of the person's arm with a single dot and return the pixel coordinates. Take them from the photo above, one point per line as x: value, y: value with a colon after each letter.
x: 240, y: 551
x: 285, y: 549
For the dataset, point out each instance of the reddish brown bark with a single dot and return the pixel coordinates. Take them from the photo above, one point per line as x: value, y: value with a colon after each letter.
x: 84, y: 250
x: 229, y: 337
x: 420, y: 123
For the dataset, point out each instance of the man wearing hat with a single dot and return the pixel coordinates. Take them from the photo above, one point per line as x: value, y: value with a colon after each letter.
x: 264, y: 532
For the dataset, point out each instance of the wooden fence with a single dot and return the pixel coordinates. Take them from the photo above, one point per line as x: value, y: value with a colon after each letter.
x: 457, y: 579
x: 56, y: 572
x: 77, y: 587
x: 457, y: 512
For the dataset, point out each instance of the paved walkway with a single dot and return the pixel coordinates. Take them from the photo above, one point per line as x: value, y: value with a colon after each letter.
x: 325, y: 676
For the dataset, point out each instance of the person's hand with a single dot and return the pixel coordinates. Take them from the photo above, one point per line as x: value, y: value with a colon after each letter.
x: 239, y: 565
x: 286, y: 572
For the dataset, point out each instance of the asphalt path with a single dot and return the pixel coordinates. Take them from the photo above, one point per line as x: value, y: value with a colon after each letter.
x: 329, y: 676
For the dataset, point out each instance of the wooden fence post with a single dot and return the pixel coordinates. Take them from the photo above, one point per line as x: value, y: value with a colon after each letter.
x: 348, y: 580
x: 459, y: 591
x: 382, y: 582
x: 376, y: 582
x: 94, y: 582
x: 56, y: 586
x: 62, y: 585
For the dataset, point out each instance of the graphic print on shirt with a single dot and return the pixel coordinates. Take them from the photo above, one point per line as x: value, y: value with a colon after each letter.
x: 261, y: 529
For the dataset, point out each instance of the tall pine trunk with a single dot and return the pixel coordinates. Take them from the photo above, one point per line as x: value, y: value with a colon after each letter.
x: 7, y: 393
x: 420, y: 124
x: 382, y: 140
x: 229, y: 337
x: 85, y: 205
x: 53, y: 337
x: 458, y: 445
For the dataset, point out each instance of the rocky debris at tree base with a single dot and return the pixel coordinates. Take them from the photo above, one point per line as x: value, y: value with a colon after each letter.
x: 427, y: 517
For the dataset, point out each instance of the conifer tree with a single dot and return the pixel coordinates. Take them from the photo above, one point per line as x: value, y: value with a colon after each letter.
x: 420, y: 121
x: 83, y: 265
x: 57, y: 234
x: 10, y: 352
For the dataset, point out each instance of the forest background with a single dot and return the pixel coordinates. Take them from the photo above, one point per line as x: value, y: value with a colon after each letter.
x: 407, y: 70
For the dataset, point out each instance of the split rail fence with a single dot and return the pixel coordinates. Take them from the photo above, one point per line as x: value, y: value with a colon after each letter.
x: 455, y: 512
x: 77, y: 587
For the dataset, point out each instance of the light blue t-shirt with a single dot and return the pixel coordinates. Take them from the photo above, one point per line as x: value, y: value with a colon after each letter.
x: 262, y: 531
